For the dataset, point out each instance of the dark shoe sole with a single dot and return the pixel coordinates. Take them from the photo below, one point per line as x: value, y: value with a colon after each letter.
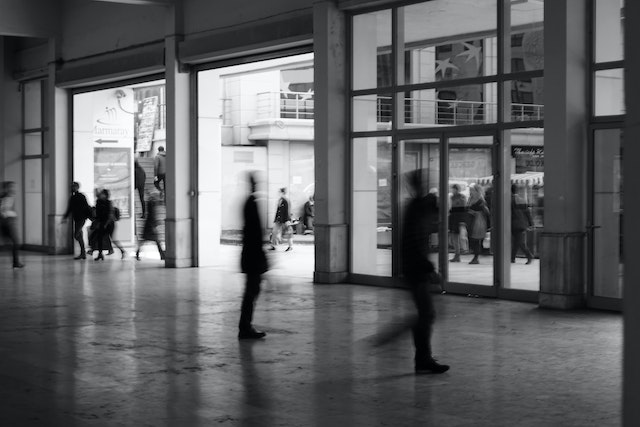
x: 251, y: 336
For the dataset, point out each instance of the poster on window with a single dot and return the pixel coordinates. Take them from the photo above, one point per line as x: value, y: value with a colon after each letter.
x: 113, y: 117
x: 147, y: 125
x: 528, y: 159
x: 112, y: 171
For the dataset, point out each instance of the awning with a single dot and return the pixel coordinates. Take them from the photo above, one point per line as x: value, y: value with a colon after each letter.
x: 527, y: 178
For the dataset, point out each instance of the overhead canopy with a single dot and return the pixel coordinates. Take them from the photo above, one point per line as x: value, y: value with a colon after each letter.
x: 528, y: 178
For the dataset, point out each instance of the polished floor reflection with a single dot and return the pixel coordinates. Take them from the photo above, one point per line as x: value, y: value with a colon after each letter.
x: 130, y: 343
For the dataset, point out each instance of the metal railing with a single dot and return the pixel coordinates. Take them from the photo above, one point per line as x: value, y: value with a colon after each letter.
x: 300, y: 105
x: 286, y: 105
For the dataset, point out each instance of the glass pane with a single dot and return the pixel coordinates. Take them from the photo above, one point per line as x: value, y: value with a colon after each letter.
x: 527, y: 99
x: 449, y: 40
x: 423, y: 156
x: 527, y: 206
x: 469, y: 206
x: 454, y: 106
x: 372, y: 112
x: 32, y: 105
x: 372, y: 206
x: 607, y: 214
x: 609, y: 96
x: 527, y: 36
x: 33, y: 175
x: 609, y: 30
x: 372, y: 56
x: 33, y: 144
x: 33, y: 218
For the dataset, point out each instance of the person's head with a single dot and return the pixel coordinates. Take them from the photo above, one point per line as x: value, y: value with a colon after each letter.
x: 160, y: 149
x: 475, y: 192
x: 431, y: 201
x: 75, y: 186
x: 283, y: 191
x: 455, y: 188
x: 415, y: 184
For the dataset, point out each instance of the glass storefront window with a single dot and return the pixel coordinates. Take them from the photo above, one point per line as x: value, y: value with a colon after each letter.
x: 449, y: 40
x: 33, y: 105
x: 372, y: 112
x: 527, y: 36
x: 609, y: 92
x: 451, y: 106
x: 609, y: 30
x: 372, y: 219
x: 372, y: 55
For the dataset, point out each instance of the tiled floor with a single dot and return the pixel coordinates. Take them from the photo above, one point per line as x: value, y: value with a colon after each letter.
x: 130, y: 343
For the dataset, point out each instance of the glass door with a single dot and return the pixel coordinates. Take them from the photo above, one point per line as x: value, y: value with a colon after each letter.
x: 470, y: 205
x: 605, y: 229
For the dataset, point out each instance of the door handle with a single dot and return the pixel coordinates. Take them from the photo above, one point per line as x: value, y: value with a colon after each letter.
x: 592, y: 227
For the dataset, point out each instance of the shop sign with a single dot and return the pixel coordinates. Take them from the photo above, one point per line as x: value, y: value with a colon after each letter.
x: 528, y: 159
x: 113, y: 117
x: 112, y: 171
x: 147, y: 124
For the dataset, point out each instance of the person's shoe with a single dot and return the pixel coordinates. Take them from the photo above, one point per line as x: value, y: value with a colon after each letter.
x: 529, y: 261
x: 124, y: 253
x: 17, y: 265
x: 81, y: 256
x: 251, y: 334
x: 474, y: 260
x: 110, y: 252
x: 513, y: 260
x: 138, y: 255
x: 162, y: 256
x: 455, y: 259
x: 290, y: 248
x: 90, y: 252
x: 99, y: 258
x: 431, y: 367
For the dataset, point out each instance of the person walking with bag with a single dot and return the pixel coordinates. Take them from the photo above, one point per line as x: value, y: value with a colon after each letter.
x: 282, y: 229
x: 160, y: 171
x: 253, y: 262
x: 104, y: 216
x: 9, y: 218
x: 150, y: 230
x: 79, y: 210
x: 479, y: 221
x: 521, y: 220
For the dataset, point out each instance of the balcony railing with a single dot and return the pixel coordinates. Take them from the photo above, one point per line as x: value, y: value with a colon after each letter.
x: 300, y: 105
x: 286, y: 105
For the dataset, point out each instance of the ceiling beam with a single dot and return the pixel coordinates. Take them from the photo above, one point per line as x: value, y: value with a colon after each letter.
x: 141, y: 2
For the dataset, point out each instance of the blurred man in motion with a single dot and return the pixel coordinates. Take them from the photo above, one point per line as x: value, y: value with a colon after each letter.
x: 420, y: 214
x: 253, y: 262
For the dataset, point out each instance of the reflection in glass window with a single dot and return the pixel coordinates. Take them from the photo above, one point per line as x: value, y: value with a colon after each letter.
x: 371, y: 47
x: 527, y: 35
x: 609, y: 30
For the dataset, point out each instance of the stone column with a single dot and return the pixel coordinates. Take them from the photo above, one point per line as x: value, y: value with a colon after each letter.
x: 57, y: 140
x: 180, y: 162
x: 631, y: 203
x: 562, y: 253
x: 331, y: 143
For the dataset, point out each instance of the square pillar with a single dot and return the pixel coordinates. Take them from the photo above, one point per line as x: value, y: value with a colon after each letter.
x: 331, y: 143
x: 562, y: 254
x: 631, y: 226
x: 57, y: 142
x: 180, y: 162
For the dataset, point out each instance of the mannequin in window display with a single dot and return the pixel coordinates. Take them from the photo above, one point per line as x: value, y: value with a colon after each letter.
x: 521, y: 221
x: 9, y: 218
x: 456, y: 216
x: 479, y: 219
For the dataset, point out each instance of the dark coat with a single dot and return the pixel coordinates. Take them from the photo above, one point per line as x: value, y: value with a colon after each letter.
x: 104, y: 211
x: 418, y: 226
x: 78, y: 207
x: 478, y: 208
x: 253, y: 259
x: 282, y: 213
x: 140, y: 177
x: 149, y: 231
x: 520, y: 215
x: 159, y: 165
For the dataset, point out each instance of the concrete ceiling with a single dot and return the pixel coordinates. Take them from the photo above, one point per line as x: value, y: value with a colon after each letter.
x: 140, y: 2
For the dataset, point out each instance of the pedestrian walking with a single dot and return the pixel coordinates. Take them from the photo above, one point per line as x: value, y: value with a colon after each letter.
x: 79, y: 210
x: 140, y: 179
x: 160, y: 171
x: 419, y: 271
x: 457, y: 215
x: 282, y: 229
x: 253, y: 262
x: 309, y: 215
x: 114, y: 216
x: 9, y: 219
x: 104, y: 212
x: 479, y: 221
x: 521, y: 221
x: 150, y: 229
